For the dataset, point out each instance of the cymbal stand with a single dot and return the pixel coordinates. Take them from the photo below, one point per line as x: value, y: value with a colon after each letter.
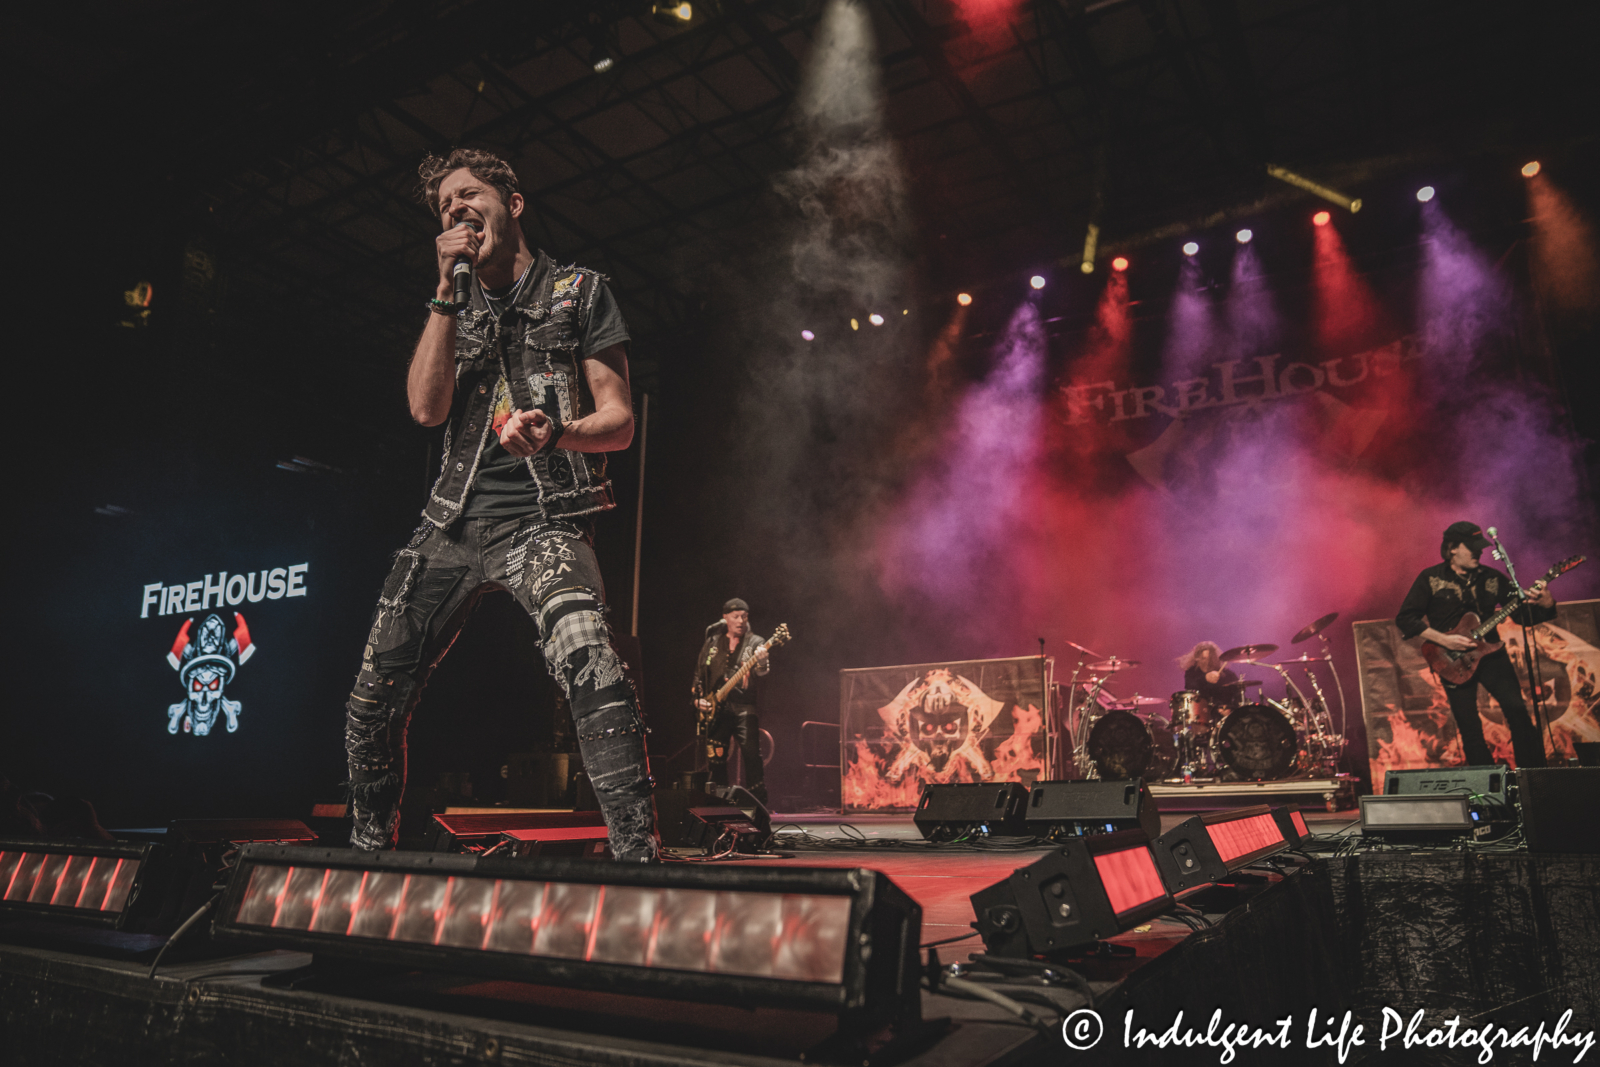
x: 1080, y: 735
x: 1344, y: 713
x: 1068, y: 722
x: 1329, y: 743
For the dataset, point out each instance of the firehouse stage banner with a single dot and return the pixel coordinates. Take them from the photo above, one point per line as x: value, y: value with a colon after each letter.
x: 936, y: 723
x: 1408, y: 719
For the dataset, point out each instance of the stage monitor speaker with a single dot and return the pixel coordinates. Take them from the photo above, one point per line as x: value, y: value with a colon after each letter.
x: 1076, y: 809
x: 1560, y: 808
x: 724, y: 830
x: 1487, y: 786
x: 946, y: 812
x: 671, y: 807
x: 479, y: 830
x: 1082, y: 891
x: 584, y: 842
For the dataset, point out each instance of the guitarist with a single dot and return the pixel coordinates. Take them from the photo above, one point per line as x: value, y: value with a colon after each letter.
x: 1438, y: 599
x: 727, y: 648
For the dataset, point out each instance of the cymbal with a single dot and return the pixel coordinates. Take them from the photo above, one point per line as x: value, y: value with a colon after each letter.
x: 1137, y: 700
x: 1315, y: 628
x: 1115, y: 664
x: 1248, y: 681
x: 1309, y: 659
x: 1091, y: 653
x: 1248, y: 653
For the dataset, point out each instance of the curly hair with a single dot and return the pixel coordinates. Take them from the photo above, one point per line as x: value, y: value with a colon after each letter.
x: 1193, y: 657
x: 485, y: 166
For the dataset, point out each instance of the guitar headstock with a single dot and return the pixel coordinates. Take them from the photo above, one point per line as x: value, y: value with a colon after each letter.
x: 779, y: 636
x: 1564, y: 566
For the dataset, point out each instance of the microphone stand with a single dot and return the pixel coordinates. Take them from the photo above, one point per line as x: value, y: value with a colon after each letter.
x: 1530, y: 651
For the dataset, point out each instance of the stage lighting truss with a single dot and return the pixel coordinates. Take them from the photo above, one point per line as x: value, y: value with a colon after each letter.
x: 1083, y: 891
x: 837, y: 941
x: 88, y: 882
x: 1207, y: 848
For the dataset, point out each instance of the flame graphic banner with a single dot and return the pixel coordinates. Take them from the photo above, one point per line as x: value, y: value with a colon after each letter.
x: 936, y: 723
x: 1408, y: 719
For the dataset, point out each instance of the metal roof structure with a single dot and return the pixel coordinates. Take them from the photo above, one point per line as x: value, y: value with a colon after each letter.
x: 288, y: 141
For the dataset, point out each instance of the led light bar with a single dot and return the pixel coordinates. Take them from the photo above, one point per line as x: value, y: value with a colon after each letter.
x: 1291, y: 823
x: 1209, y: 847
x: 89, y: 882
x: 1423, y: 817
x: 841, y: 941
x: 1085, y: 890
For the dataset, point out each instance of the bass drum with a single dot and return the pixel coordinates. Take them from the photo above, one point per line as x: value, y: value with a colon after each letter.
x: 1255, y: 743
x: 1121, y: 745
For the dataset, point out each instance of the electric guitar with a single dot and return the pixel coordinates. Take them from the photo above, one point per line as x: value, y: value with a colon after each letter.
x: 1457, y: 667
x: 779, y: 636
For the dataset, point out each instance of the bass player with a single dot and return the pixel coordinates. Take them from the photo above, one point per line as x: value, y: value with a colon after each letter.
x: 729, y: 645
x: 1439, y: 598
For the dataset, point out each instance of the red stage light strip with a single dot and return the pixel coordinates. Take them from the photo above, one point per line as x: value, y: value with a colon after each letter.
x: 1299, y: 823
x: 1241, y: 836
x: 64, y: 880
x: 1130, y: 878
x: 800, y: 937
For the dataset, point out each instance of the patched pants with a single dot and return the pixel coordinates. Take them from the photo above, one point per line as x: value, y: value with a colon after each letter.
x: 550, y: 568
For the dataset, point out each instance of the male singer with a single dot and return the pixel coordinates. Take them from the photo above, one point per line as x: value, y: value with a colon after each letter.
x: 502, y: 361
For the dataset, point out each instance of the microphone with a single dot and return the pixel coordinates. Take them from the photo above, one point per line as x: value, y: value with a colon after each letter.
x: 718, y: 628
x: 1492, y: 532
x: 462, y: 274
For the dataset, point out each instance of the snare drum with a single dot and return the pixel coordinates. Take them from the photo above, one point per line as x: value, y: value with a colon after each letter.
x: 1124, y: 746
x: 1255, y: 742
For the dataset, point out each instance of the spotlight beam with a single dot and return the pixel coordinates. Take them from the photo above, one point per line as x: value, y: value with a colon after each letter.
x: 1330, y: 195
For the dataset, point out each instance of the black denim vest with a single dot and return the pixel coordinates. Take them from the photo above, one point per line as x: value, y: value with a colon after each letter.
x: 536, y: 345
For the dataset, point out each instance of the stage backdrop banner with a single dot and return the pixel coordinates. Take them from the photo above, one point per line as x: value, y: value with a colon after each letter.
x: 1408, y: 719
x: 937, y: 723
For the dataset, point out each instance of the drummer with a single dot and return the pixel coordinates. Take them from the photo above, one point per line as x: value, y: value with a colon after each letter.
x: 1204, y: 673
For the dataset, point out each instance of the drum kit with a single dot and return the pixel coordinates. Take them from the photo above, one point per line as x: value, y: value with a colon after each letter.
x: 1231, y: 738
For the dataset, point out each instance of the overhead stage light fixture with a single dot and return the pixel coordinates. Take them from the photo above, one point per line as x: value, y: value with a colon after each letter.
x: 1119, y: 264
x: 672, y: 14
x: 1244, y: 236
x: 1330, y: 195
x: 842, y: 942
x: 854, y: 325
x: 1530, y: 169
x: 1091, y: 242
x: 1190, y: 248
x: 1425, y: 194
x: 963, y: 299
x: 875, y: 318
x: 601, y: 59
x: 808, y: 335
x: 1037, y: 281
x: 1321, y: 218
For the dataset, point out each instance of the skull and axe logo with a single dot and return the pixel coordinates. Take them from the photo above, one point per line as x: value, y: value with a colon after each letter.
x: 206, y: 663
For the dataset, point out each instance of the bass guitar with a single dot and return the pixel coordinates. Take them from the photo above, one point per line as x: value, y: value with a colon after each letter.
x: 1456, y: 666
x: 779, y: 636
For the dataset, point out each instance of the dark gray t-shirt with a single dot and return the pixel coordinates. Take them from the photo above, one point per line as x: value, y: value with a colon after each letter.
x: 504, y: 488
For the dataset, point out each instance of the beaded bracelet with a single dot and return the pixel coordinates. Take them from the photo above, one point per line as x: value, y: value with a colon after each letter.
x: 442, y: 307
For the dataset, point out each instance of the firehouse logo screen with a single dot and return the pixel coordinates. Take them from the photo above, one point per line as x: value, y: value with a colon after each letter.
x: 209, y: 649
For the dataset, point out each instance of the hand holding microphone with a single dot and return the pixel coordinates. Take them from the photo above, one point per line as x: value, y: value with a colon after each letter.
x: 458, y: 252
